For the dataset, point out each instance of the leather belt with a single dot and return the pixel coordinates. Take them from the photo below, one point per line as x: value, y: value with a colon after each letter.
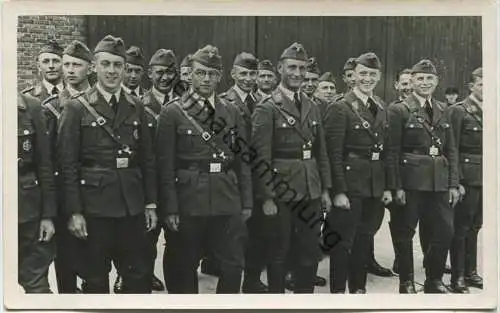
x: 421, y: 151
x: 110, y: 164
x: 292, y: 155
x: 471, y: 150
x: 207, y: 166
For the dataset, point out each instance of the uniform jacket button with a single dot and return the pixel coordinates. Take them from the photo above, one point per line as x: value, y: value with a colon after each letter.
x: 466, y: 160
x: 474, y: 129
x: 405, y: 161
x: 189, y: 132
x: 26, y: 132
x: 135, y: 123
x: 347, y: 168
x: 150, y: 124
x: 82, y: 181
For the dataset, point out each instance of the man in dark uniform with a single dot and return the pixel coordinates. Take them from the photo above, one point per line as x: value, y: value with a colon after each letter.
x: 106, y: 157
x: 311, y: 79
x: 49, y: 67
x: 348, y: 74
x: 134, y: 71
x: 287, y: 135
x: 186, y: 69
x: 36, y: 197
x: 206, y: 189
x: 402, y: 85
x: 423, y: 172
x: 76, y: 66
x: 467, y: 124
x: 355, y: 129
x: 266, y: 78
x: 326, y: 92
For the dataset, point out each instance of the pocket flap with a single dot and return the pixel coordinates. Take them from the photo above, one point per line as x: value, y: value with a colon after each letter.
x: 91, y: 179
x: 183, y: 176
x: 413, y: 124
x: 29, y: 184
x: 186, y: 130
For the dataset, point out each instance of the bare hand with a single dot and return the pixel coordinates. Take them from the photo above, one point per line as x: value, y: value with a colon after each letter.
x: 454, y: 196
x: 246, y: 213
x: 47, y: 230
x: 461, y: 190
x: 341, y: 201
x: 270, y: 207
x: 78, y: 226
x: 173, y: 222
x: 400, y: 197
x: 326, y: 201
x: 387, y: 197
x: 151, y: 219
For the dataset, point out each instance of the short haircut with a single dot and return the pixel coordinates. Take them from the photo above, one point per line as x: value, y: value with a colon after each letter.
x: 402, y: 72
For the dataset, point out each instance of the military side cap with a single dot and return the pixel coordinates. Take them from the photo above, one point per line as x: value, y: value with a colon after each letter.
x: 113, y: 45
x: 350, y: 64
x: 478, y: 72
x: 312, y: 66
x: 370, y: 60
x: 78, y: 50
x: 295, y: 51
x: 424, y: 66
x: 265, y: 65
x: 246, y: 60
x: 135, y: 56
x: 187, y: 61
x: 451, y: 91
x: 163, y: 57
x: 209, y: 56
x: 52, y: 47
x: 327, y: 77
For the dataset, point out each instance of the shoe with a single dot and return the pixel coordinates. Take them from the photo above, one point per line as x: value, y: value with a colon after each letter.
x: 359, y: 291
x: 254, y: 286
x: 407, y: 287
x: 319, y: 281
x: 209, y: 268
x: 376, y: 269
x: 118, y: 286
x: 78, y: 290
x: 157, y: 284
x: 459, y: 286
x: 435, y: 286
x: 289, y: 282
x: 447, y: 269
x: 474, y: 280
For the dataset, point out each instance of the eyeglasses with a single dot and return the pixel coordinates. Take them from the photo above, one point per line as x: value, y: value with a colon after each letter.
x: 202, y: 74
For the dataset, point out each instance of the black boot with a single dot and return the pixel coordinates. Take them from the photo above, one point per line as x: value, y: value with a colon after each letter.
x: 253, y: 284
x: 304, y: 278
x: 276, y: 277
x: 118, y: 286
x: 458, y: 285
x: 157, y: 284
x: 407, y: 286
x: 373, y: 266
x: 472, y: 278
x: 434, y: 286
x: 209, y: 267
x: 339, y: 267
x: 229, y: 281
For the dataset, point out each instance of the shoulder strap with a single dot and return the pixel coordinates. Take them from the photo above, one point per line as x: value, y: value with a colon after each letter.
x: 151, y: 112
x: 292, y: 122
x: 473, y: 114
x: 46, y: 104
x: 205, y: 135
x: 365, y: 123
x: 428, y: 128
x: 101, y: 121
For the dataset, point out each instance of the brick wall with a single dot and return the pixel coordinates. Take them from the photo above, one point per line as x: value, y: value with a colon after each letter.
x: 34, y: 30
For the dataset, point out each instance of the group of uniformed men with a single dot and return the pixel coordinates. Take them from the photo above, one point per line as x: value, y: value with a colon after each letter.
x: 270, y: 174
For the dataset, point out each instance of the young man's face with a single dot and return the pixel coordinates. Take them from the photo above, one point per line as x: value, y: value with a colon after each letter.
x: 75, y: 70
x: 476, y: 88
x: 292, y: 73
x: 133, y: 75
x: 205, y: 79
x: 403, y: 85
x: 326, y: 91
x: 244, y: 78
x: 349, y: 78
x: 50, y: 67
x: 366, y: 78
x: 451, y: 98
x: 310, y: 83
x: 185, y: 73
x: 162, y: 77
x: 424, y: 84
x: 266, y: 80
x: 110, y: 69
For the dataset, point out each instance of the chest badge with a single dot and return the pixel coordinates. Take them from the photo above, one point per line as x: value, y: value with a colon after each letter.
x: 136, y: 134
x: 27, y: 145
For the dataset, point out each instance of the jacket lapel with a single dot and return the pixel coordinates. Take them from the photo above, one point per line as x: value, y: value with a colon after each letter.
x: 305, y: 107
x: 380, y: 113
x: 96, y: 99
x: 288, y: 106
x: 125, y: 109
x: 243, y: 107
x: 437, y: 112
x: 358, y: 105
x: 414, y: 105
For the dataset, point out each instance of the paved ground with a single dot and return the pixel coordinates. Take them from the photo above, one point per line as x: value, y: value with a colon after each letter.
x: 384, y: 254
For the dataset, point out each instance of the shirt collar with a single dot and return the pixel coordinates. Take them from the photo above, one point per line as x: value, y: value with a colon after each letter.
x: 49, y: 86
x: 476, y: 100
x: 288, y: 93
x: 160, y: 96
x: 211, y: 99
x: 129, y: 91
x: 72, y: 91
x: 262, y: 93
x: 242, y: 94
x: 107, y: 96
x: 421, y: 100
x: 363, y: 97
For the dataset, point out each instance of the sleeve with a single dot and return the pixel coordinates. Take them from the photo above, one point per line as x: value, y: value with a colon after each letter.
x: 451, y: 152
x: 166, y: 143
x: 394, y: 138
x: 68, y: 151
x: 322, y: 157
x: 335, y: 130
x: 45, y: 170
x: 244, y: 172
x: 147, y: 159
x: 262, y: 141
x: 456, y: 115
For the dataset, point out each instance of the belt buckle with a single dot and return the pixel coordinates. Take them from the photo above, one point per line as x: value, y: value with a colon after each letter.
x: 306, y: 154
x: 375, y: 156
x: 101, y: 121
x: 206, y: 136
x: 215, y: 167
x: 433, y: 151
x: 121, y: 162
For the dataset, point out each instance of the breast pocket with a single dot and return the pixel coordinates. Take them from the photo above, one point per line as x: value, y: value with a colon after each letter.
x: 186, y: 138
x: 89, y: 131
x: 414, y: 134
x: 131, y: 131
x: 283, y: 131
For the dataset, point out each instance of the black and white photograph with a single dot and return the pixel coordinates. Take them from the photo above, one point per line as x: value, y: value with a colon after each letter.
x: 220, y: 154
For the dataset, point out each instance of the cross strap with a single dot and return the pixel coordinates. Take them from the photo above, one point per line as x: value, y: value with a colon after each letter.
x: 291, y: 121
x: 425, y: 124
x: 46, y: 104
x: 151, y: 112
x: 473, y: 114
x: 366, y: 125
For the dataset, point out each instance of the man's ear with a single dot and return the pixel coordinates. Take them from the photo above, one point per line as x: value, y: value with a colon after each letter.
x: 233, y: 74
x: 150, y: 73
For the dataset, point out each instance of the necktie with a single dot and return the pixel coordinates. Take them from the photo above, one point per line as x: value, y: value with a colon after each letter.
x: 54, y: 91
x: 428, y: 109
x: 250, y: 103
x: 114, y: 103
x: 372, y: 106
x: 296, y: 99
x: 166, y: 99
x: 133, y: 93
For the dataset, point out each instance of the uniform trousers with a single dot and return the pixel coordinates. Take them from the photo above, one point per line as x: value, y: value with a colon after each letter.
x: 468, y: 222
x: 433, y: 211
x: 296, y: 226
x: 227, y: 236
x: 172, y: 261
x: 124, y: 238
x: 356, y: 228
x: 255, y: 250
x: 34, y: 258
